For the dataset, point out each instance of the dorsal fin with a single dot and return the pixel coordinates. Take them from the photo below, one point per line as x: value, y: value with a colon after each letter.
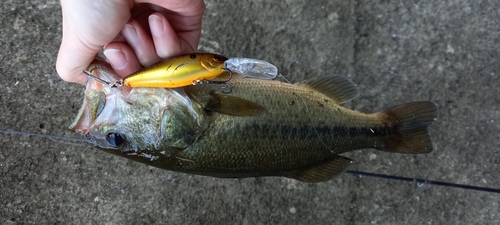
x: 338, y: 88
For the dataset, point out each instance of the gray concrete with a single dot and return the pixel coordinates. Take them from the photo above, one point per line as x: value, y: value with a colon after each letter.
x: 397, y: 51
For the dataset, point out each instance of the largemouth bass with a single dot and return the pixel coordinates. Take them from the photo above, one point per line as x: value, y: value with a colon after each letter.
x: 260, y: 128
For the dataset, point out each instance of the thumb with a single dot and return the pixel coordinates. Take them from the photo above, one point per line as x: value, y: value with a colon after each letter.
x: 73, y: 58
x: 88, y: 25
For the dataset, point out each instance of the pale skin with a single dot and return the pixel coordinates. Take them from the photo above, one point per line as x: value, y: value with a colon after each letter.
x: 133, y: 34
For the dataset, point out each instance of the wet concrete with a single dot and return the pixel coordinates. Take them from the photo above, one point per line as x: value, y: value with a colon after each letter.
x: 397, y: 52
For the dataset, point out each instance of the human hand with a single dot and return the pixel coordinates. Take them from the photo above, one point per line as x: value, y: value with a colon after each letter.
x: 133, y: 33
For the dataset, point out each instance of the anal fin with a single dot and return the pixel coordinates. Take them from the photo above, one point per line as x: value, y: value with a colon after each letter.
x: 324, y: 171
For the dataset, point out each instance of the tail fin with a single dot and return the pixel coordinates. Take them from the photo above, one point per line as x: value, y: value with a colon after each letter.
x: 406, y: 127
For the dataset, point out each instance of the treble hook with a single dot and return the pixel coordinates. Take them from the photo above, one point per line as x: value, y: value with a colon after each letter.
x: 89, y: 73
x: 112, y: 85
x: 222, y: 82
x: 226, y: 88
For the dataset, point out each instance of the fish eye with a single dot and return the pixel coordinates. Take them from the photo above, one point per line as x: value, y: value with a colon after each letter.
x: 115, y: 139
x: 219, y: 58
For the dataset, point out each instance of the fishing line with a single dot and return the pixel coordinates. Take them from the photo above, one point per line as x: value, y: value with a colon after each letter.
x: 421, y: 182
x: 44, y: 136
x: 352, y: 172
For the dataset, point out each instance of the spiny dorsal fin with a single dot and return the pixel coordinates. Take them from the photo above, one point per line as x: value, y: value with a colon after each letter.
x: 338, y: 88
x: 232, y: 105
x: 324, y: 171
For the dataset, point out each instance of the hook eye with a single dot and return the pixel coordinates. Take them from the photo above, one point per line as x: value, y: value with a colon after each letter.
x: 115, y: 140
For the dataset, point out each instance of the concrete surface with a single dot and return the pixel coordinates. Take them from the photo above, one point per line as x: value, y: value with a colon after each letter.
x: 397, y: 52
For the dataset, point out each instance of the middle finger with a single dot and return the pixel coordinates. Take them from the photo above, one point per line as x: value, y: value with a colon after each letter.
x: 141, y: 43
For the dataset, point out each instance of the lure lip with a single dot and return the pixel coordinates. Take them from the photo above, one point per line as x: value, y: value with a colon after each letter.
x: 254, y: 68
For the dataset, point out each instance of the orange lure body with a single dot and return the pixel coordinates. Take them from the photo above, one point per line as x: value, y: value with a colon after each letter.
x: 178, y: 71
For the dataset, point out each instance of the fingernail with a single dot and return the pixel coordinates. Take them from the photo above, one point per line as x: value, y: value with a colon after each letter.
x: 116, y: 57
x: 156, y: 25
x: 130, y: 34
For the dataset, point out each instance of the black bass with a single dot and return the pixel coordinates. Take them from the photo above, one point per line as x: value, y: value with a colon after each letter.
x: 259, y: 128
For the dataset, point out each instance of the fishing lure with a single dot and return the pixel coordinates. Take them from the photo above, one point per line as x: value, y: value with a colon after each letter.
x: 192, y: 69
x: 175, y: 72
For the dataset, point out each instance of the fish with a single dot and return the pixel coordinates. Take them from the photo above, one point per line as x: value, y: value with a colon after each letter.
x: 260, y: 128
x: 177, y: 71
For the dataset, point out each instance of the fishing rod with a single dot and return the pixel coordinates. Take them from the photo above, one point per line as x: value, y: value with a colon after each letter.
x: 420, y: 182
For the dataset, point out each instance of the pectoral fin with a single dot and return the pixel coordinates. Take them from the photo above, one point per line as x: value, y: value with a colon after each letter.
x: 232, y: 105
x: 324, y: 171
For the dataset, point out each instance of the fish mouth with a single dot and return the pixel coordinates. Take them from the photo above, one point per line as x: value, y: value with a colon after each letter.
x: 82, y: 121
x: 95, y: 92
x: 101, y: 69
